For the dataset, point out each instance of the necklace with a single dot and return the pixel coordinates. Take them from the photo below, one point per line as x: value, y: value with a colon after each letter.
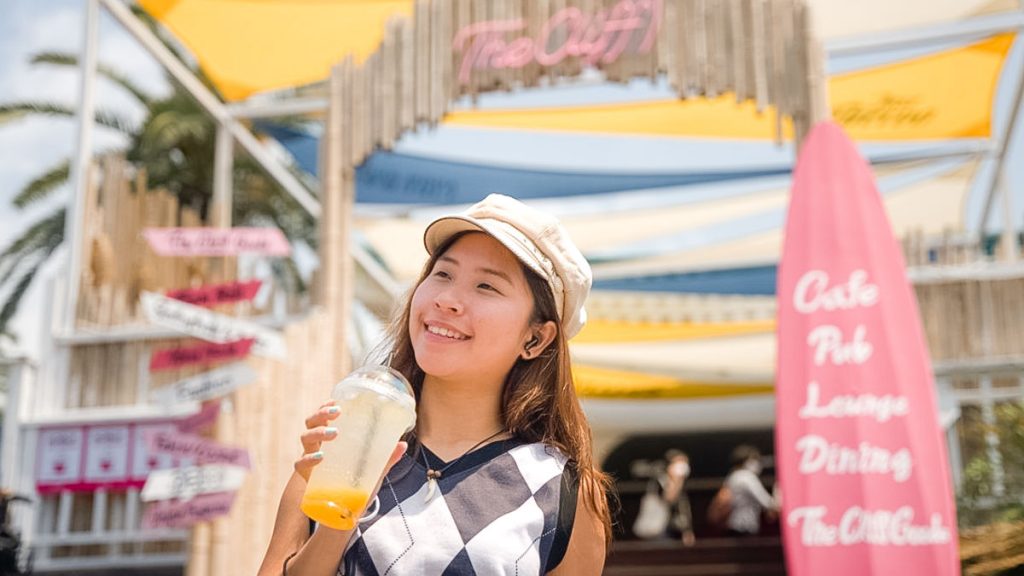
x: 434, y: 475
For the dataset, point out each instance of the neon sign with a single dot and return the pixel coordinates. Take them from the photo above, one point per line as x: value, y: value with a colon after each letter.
x: 630, y: 26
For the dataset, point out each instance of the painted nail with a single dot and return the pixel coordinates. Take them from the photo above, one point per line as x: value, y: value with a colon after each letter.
x: 333, y: 410
x: 318, y: 455
x: 331, y: 431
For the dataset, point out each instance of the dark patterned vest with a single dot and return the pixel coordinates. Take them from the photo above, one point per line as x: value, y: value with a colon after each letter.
x: 506, y: 508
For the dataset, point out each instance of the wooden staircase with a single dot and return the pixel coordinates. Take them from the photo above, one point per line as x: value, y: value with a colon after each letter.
x: 760, y: 556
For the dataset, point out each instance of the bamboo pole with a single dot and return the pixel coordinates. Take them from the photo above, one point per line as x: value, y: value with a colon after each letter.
x: 337, y: 215
x: 421, y: 41
x: 390, y: 86
x: 438, y: 52
x: 666, y: 44
x: 407, y: 104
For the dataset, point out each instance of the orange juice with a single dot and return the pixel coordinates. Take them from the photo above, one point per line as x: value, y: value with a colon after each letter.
x: 337, y: 508
x: 377, y: 406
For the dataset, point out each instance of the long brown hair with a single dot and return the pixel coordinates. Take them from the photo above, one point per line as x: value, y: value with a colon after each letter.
x: 539, y: 402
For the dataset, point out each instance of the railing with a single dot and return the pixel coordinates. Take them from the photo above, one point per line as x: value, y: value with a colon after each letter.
x: 101, y: 529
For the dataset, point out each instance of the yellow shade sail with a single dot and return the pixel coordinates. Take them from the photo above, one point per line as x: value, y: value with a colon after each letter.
x: 593, y: 382
x: 917, y: 99
x: 249, y: 46
x: 607, y: 331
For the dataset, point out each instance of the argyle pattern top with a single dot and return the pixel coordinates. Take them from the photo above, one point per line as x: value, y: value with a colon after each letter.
x: 506, y: 508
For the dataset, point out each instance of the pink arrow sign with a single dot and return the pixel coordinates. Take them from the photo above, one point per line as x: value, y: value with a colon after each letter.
x: 860, y: 453
x: 200, y: 420
x: 216, y: 241
x: 204, y: 451
x: 178, y: 514
x: 217, y: 293
x: 206, y: 353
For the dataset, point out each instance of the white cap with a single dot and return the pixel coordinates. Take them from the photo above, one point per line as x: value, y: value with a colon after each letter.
x: 538, y: 239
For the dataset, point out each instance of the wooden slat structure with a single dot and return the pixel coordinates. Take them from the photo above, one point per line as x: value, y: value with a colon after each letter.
x: 120, y: 264
x: 972, y: 305
x: 969, y: 319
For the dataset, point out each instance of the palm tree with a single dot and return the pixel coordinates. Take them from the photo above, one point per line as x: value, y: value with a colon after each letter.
x: 175, y: 144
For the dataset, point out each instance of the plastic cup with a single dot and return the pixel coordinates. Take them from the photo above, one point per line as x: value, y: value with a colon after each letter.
x: 376, y: 407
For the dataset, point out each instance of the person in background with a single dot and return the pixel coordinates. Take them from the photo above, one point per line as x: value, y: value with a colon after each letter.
x: 677, y: 470
x: 749, y: 498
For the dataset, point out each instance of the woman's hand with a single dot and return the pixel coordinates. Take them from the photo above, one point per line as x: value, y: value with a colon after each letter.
x: 318, y: 430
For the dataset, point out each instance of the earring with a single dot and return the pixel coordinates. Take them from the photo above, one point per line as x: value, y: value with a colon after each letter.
x: 526, y: 349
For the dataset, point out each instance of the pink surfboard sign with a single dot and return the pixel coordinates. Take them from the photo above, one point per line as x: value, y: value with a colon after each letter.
x: 216, y: 241
x: 859, y: 450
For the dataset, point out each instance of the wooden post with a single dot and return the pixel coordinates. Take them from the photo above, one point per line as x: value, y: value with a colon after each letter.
x: 337, y: 219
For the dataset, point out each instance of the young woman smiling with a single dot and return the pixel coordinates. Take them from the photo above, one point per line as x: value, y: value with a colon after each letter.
x: 498, y: 476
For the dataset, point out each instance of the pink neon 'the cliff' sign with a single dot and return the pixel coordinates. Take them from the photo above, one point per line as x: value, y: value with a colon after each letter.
x: 628, y: 26
x: 859, y: 450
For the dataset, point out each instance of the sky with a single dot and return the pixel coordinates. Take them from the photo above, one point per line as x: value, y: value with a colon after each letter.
x: 29, y: 147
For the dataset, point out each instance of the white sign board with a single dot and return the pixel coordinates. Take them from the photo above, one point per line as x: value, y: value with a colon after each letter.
x: 206, y: 386
x: 185, y: 483
x: 210, y: 326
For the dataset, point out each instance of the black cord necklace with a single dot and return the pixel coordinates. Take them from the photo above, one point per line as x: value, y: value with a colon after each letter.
x: 434, y: 475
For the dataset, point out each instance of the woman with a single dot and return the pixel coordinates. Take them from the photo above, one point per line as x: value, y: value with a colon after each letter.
x: 498, y: 476
x: 748, y: 496
x: 677, y: 470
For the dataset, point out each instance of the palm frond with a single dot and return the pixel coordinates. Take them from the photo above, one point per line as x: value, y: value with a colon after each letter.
x: 65, y: 59
x: 42, y: 237
x: 13, y: 300
x: 168, y: 129
x: 119, y: 123
x: 18, y: 110
x: 43, y: 185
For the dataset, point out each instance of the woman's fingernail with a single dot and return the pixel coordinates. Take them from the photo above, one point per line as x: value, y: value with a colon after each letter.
x: 333, y: 410
x: 331, y: 431
x: 318, y: 455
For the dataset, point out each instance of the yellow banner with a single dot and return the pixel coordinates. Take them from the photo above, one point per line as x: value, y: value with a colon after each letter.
x: 608, y: 331
x: 249, y: 46
x: 944, y: 95
x: 592, y: 382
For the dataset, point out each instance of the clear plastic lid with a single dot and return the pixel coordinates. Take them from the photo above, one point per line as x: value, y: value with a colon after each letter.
x: 383, y: 380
